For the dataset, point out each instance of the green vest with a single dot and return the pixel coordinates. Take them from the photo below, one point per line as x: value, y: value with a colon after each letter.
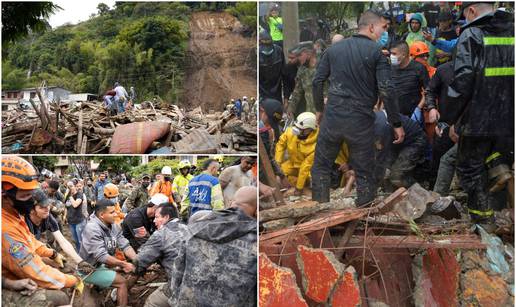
x: 276, y: 34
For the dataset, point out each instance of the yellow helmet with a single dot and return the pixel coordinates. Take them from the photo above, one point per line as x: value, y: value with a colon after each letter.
x: 19, y: 173
x: 183, y: 164
x: 110, y: 190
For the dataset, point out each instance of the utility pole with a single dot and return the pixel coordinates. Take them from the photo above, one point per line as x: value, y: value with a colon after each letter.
x: 289, y: 11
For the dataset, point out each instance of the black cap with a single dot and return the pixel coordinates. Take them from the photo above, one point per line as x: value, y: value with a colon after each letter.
x: 445, y: 16
x: 145, y: 176
x: 467, y: 4
x: 40, y: 198
x: 274, y: 110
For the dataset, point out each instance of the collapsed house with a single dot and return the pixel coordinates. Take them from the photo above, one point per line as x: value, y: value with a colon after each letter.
x: 88, y: 128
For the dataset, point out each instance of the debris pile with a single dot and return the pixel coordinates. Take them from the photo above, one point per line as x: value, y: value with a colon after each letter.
x: 410, y: 248
x: 88, y: 128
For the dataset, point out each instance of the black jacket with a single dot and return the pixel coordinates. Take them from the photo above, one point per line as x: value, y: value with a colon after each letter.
x: 358, y: 73
x: 437, y: 93
x: 134, y: 220
x: 272, y: 64
x: 484, y: 76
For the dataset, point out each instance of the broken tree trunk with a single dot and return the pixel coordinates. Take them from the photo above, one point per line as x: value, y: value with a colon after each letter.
x: 270, y: 177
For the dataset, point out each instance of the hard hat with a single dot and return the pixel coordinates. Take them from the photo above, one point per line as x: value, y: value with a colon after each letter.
x: 306, y: 120
x: 219, y: 158
x: 184, y: 163
x: 110, y: 190
x: 166, y: 170
x: 245, y: 97
x: 19, y: 173
x: 232, y: 100
x: 418, y: 48
x: 158, y: 199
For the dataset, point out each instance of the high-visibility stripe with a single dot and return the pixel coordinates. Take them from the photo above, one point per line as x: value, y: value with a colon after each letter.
x: 495, y: 155
x: 481, y: 213
x: 499, y: 71
x: 493, y: 41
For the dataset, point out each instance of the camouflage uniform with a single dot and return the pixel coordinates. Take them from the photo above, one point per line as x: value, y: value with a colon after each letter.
x: 139, y: 197
x: 220, y: 262
x: 40, y: 298
x: 302, y: 99
x: 124, y: 191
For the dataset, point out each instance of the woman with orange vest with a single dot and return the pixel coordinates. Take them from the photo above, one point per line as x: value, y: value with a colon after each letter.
x: 164, y: 185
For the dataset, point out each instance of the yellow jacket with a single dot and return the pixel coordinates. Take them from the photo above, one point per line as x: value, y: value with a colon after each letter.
x: 301, y: 153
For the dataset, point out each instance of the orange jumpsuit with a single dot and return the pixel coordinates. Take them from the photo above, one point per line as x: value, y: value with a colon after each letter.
x: 22, y: 252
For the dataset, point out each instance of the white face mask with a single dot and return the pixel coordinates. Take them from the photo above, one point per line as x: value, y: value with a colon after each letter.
x: 394, y: 60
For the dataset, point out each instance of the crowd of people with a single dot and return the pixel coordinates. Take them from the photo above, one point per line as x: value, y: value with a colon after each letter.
x: 384, y: 110
x: 199, y: 226
x: 245, y: 109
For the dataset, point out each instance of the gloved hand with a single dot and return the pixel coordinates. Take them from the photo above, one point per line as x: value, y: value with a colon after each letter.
x: 85, y: 267
x: 58, y: 258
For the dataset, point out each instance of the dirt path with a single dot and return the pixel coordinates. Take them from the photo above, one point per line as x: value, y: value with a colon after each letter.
x: 221, y: 61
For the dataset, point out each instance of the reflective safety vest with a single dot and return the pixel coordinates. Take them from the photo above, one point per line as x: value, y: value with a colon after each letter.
x: 204, y: 193
x: 180, y: 184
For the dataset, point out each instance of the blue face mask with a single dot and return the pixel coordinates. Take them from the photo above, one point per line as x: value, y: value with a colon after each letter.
x: 383, y: 39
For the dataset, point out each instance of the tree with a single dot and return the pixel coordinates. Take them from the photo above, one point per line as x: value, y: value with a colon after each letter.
x: 103, y: 9
x: 20, y: 18
x: 42, y: 162
x: 119, y: 164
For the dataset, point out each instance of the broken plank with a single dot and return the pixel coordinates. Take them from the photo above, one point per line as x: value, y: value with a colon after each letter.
x: 447, y: 241
x: 332, y: 219
x: 304, y: 208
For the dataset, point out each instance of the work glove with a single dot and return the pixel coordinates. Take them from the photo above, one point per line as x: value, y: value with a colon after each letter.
x: 58, y: 258
x: 85, y: 267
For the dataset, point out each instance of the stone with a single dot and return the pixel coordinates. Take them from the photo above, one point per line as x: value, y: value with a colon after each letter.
x: 480, y: 289
x: 347, y: 291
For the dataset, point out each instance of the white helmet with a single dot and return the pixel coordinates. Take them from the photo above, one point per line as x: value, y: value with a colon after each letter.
x: 166, y: 170
x: 306, y: 120
x: 245, y: 97
x: 158, y: 199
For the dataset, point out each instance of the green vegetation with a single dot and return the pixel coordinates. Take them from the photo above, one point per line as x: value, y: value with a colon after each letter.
x: 140, y: 44
x: 154, y: 167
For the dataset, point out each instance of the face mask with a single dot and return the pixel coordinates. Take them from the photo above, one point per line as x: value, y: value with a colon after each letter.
x: 145, y: 184
x: 22, y: 206
x: 296, y: 131
x: 394, y: 60
x: 167, y: 178
x: 383, y: 39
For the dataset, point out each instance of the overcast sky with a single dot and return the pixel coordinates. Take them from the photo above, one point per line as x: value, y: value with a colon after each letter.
x: 75, y: 11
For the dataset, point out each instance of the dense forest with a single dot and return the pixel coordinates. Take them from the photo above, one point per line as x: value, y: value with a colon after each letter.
x: 137, y: 44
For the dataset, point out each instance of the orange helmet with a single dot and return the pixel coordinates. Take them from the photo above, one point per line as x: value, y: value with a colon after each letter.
x: 110, y: 190
x: 418, y: 48
x: 18, y: 172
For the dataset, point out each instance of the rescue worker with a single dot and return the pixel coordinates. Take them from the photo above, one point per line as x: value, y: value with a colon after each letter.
x: 350, y: 106
x: 419, y: 52
x: 409, y: 78
x: 180, y: 183
x: 22, y: 253
x: 400, y: 159
x: 139, y: 196
x: 484, y: 88
x: 415, y: 33
x: 221, y: 248
x: 298, y: 142
x: 204, y: 191
x: 164, y: 184
x: 111, y: 193
x: 39, y: 220
x: 246, y: 109
x: 138, y: 225
x: 302, y: 99
x: 166, y: 246
x: 234, y: 177
x: 102, y: 237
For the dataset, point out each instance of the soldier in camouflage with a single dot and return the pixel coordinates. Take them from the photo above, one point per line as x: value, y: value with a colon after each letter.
x: 302, y: 99
x: 139, y: 196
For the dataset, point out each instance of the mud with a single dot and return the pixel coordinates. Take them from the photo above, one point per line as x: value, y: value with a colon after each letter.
x: 221, y: 62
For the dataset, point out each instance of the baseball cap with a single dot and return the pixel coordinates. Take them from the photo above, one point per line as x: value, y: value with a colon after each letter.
x: 302, y: 46
x: 40, y: 198
x: 274, y: 110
